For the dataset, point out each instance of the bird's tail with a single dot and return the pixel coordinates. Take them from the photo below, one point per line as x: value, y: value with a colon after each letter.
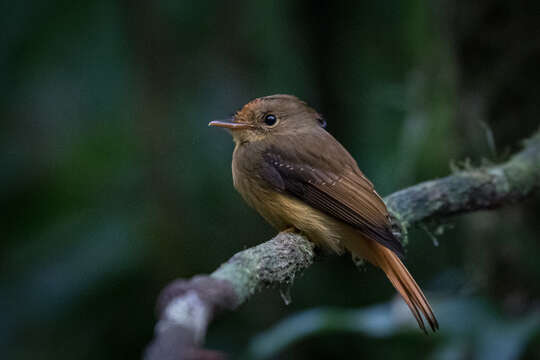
x: 405, y: 285
x: 399, y: 276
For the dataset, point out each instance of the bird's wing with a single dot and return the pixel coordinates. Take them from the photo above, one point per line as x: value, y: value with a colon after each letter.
x: 335, y: 187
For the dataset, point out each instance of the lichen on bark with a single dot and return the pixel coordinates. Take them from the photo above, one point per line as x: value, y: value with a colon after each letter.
x: 276, y: 261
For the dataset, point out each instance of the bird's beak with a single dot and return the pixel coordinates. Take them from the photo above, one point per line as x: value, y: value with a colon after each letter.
x: 229, y: 124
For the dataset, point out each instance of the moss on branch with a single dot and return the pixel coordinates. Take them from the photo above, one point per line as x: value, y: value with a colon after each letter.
x: 276, y: 261
x: 471, y: 190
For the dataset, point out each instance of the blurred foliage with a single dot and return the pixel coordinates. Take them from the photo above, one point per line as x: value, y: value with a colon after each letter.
x: 473, y: 329
x: 112, y: 185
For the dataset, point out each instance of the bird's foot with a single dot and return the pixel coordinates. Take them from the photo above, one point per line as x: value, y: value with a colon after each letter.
x: 290, y: 229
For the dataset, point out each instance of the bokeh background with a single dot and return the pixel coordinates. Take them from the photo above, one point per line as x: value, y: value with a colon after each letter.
x: 112, y: 185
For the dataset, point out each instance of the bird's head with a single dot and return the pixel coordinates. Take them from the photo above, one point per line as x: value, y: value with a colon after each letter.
x: 270, y: 116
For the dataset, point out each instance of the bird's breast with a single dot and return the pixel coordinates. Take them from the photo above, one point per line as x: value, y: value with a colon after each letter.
x: 281, y: 209
x: 253, y: 190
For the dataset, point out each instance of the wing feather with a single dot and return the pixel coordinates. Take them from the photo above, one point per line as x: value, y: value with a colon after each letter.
x: 341, y: 190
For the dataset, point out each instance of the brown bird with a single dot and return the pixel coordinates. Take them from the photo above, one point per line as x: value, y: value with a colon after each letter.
x: 298, y: 176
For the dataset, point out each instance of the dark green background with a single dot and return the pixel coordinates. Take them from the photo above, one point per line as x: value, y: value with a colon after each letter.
x: 112, y: 185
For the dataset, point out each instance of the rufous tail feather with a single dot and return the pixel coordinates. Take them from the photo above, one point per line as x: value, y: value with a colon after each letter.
x: 405, y: 285
x: 400, y: 277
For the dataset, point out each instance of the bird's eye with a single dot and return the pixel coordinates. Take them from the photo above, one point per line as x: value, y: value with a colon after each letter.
x: 322, y: 122
x: 270, y: 119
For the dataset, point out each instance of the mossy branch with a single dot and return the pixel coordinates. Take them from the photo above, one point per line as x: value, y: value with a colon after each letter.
x: 187, y: 306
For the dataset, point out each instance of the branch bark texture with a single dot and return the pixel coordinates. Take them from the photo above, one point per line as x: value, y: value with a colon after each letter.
x: 186, y: 307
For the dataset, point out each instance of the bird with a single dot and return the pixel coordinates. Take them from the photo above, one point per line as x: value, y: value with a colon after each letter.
x: 298, y: 177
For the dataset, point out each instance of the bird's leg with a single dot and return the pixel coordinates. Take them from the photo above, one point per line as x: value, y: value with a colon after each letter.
x: 290, y: 229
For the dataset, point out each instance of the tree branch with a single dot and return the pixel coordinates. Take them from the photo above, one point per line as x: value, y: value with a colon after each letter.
x: 186, y: 307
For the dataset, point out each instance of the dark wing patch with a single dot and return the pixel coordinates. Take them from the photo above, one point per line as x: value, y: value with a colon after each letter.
x: 347, y: 196
x: 270, y: 173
